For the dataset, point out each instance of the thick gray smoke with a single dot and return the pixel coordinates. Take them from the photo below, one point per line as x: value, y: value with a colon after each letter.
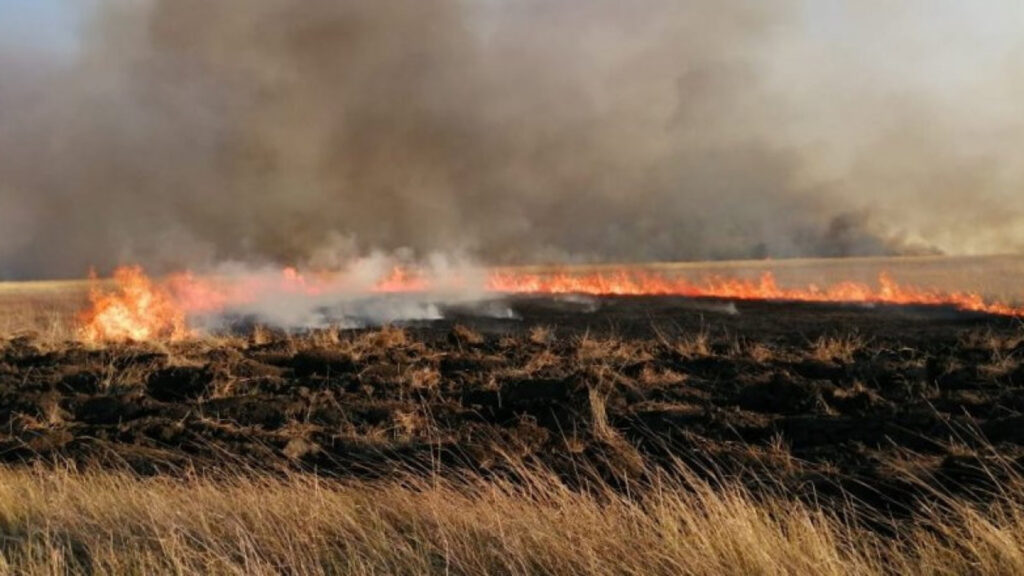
x: 191, y: 132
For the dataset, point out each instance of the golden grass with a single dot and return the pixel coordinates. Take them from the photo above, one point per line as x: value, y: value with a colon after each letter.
x: 61, y: 522
x: 48, y: 317
x: 839, y: 348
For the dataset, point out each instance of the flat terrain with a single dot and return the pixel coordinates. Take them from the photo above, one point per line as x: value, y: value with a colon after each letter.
x: 527, y: 435
x: 49, y: 308
x: 831, y: 398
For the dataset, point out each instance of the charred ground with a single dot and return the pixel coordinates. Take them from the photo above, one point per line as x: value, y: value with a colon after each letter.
x: 827, y: 401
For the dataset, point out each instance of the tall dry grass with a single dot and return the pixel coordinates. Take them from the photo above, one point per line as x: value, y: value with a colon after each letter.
x: 58, y: 522
x: 47, y: 310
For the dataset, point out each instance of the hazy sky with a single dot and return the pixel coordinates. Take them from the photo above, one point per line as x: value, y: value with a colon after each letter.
x: 946, y: 46
x: 961, y: 32
x: 677, y: 129
x: 47, y: 25
x: 949, y: 47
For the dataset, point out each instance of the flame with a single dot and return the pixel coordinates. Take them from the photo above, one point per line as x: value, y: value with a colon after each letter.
x: 136, y: 310
x: 636, y: 282
x: 141, y: 309
x: 401, y: 280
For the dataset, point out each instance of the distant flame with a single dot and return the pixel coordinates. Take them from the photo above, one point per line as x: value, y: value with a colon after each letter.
x: 402, y: 280
x: 637, y: 282
x: 141, y: 309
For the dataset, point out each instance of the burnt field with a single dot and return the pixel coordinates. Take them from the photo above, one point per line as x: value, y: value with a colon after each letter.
x: 873, y: 404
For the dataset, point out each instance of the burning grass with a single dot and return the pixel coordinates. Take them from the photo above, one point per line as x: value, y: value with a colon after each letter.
x: 135, y: 307
x: 137, y: 310
x: 784, y: 439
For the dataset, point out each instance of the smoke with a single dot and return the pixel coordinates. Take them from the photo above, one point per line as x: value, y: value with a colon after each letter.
x: 190, y: 133
x: 353, y: 295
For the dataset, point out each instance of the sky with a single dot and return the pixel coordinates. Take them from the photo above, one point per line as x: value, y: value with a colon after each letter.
x: 984, y: 29
x: 38, y: 25
x: 944, y: 45
x: 679, y: 129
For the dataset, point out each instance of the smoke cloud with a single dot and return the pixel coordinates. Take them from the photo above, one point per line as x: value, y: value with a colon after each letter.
x: 352, y: 298
x: 190, y: 133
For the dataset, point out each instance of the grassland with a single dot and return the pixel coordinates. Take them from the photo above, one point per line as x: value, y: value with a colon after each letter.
x: 46, y: 309
x: 613, y: 436
x: 61, y: 521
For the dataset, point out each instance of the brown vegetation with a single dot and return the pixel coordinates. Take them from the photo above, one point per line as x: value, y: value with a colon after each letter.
x: 62, y: 521
x: 729, y: 445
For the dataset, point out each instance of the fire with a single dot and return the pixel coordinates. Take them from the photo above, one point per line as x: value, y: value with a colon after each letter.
x: 136, y: 310
x: 637, y: 282
x: 401, y: 280
x: 142, y: 309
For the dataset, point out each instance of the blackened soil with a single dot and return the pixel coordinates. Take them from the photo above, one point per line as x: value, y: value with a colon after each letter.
x: 877, y: 404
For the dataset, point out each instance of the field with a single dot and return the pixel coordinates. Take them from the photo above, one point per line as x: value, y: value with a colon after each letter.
x: 629, y: 435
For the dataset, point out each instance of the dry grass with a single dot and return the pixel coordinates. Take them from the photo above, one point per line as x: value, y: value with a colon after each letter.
x: 48, y: 310
x: 540, y: 361
x: 58, y: 522
x: 696, y: 344
x: 837, y: 348
x: 46, y: 319
x: 386, y: 338
x: 1003, y: 349
x: 466, y: 336
x: 609, y: 350
x: 62, y: 521
x: 542, y: 335
x: 759, y: 352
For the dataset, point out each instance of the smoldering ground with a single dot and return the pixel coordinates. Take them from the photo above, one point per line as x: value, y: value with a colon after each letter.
x: 189, y: 133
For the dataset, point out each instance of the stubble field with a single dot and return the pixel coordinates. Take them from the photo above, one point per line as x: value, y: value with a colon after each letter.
x: 577, y: 435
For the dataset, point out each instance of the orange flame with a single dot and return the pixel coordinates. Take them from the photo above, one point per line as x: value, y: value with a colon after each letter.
x: 140, y: 309
x: 634, y: 282
x: 401, y: 280
x: 137, y: 310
